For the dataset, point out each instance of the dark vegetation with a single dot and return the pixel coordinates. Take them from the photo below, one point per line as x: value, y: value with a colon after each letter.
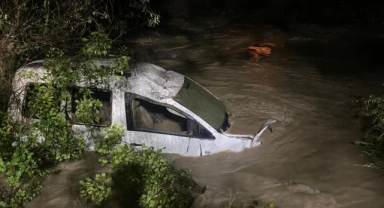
x: 373, y: 141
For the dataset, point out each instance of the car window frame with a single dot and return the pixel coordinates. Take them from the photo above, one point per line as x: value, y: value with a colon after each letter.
x: 130, y: 113
x: 129, y: 98
x: 69, y: 109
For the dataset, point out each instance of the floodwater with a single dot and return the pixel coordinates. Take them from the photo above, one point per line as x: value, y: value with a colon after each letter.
x: 309, y: 84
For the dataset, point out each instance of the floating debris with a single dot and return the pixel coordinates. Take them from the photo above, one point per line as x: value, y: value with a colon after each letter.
x: 259, y: 51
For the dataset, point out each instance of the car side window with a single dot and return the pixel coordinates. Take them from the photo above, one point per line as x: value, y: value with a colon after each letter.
x: 143, y: 115
x: 151, y: 117
x: 104, y: 114
x: 32, y: 90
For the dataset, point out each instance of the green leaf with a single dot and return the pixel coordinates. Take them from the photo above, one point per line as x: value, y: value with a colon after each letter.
x: 15, y: 160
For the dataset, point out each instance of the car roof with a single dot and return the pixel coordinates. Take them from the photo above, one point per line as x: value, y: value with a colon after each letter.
x: 154, y: 82
x: 145, y: 79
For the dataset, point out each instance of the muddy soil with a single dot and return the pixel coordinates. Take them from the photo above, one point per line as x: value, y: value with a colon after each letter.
x: 309, y: 84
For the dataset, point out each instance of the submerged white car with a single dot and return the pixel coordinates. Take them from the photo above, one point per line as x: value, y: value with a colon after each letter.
x: 159, y: 108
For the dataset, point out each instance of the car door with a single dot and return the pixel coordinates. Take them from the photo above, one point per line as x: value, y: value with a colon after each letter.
x: 156, y: 125
x: 199, y: 137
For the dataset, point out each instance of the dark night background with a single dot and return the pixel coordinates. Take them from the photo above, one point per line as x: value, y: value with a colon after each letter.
x: 278, y: 11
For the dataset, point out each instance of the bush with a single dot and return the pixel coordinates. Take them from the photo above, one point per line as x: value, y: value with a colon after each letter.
x: 138, y: 178
x: 25, y: 159
x: 373, y: 142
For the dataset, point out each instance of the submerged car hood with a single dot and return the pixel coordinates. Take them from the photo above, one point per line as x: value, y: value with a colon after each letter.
x: 240, y: 130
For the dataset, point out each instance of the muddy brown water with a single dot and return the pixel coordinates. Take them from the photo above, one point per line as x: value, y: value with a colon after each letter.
x: 309, y: 84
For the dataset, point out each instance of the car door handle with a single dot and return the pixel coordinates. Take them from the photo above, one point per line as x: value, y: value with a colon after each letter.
x: 135, y: 144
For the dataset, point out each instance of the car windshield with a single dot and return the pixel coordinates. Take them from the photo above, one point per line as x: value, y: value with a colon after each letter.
x: 202, y: 103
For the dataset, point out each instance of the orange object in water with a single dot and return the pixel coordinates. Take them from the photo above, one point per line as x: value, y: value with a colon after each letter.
x: 258, y: 51
x: 261, y: 50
